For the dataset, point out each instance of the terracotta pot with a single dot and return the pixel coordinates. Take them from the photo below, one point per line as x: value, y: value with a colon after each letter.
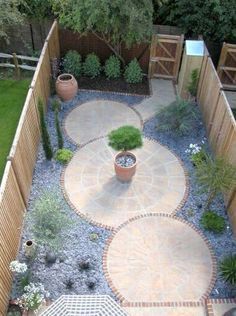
x: 125, y: 174
x: 66, y: 87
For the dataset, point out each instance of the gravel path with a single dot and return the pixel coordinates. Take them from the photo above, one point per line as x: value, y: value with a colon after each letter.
x: 77, y: 241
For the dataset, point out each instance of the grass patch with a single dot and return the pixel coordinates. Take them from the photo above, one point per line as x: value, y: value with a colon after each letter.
x: 12, y: 99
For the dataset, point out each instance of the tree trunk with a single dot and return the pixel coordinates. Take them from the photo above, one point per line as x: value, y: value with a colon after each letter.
x: 115, y: 49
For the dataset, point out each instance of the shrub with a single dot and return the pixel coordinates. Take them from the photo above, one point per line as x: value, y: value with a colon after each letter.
x: 91, y: 66
x: 215, y: 176
x: 63, y: 155
x: 48, y: 220
x: 112, y: 67
x: 56, y: 105
x: 125, y: 138
x: 199, y: 157
x: 45, y: 136
x: 213, y: 222
x: 133, y: 72
x: 228, y: 269
x: 72, y: 63
x: 60, y: 141
x: 192, y: 86
x: 177, y: 117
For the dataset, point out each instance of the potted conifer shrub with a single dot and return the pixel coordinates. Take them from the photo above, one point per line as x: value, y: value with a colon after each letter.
x: 123, y: 139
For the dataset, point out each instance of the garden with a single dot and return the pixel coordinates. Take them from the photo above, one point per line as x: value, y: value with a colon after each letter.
x: 127, y: 196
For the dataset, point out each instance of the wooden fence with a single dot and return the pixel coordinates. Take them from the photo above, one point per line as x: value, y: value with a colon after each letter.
x: 90, y: 43
x: 227, y: 66
x: 18, y: 62
x: 165, y: 56
x: 219, y: 121
x: 17, y: 178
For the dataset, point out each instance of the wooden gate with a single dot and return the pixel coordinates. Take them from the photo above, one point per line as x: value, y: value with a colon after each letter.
x: 165, y: 55
x: 227, y: 66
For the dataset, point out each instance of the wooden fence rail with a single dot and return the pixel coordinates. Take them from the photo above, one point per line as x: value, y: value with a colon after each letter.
x: 219, y: 121
x: 17, y: 178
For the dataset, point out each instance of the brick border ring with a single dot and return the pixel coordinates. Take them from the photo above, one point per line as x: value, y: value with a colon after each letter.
x: 123, y: 300
x: 111, y: 228
x: 96, y: 138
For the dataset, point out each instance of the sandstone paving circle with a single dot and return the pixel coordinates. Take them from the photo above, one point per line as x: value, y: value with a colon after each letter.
x: 159, y: 259
x: 92, y: 188
x: 97, y: 118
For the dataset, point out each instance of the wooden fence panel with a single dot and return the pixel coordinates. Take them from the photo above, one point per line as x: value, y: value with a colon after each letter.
x: 227, y: 66
x: 17, y: 178
x: 209, y: 94
x: 220, y: 123
x: 12, y: 209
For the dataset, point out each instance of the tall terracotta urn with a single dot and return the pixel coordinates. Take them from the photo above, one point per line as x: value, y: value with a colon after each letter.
x: 66, y: 87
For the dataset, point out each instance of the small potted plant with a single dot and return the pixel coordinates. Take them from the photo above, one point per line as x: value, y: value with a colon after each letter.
x: 125, y: 138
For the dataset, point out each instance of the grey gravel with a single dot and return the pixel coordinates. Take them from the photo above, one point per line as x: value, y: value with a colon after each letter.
x: 125, y: 161
x: 192, y: 211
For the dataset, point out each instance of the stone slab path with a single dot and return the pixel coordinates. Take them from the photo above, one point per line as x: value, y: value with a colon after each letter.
x: 163, y: 93
x: 159, y: 259
x: 97, y: 118
x: 91, y: 186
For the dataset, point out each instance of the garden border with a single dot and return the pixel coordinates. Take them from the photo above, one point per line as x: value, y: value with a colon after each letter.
x: 123, y: 300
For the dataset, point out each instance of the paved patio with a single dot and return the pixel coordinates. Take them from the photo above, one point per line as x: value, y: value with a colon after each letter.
x: 159, y: 259
x: 97, y: 118
x: 91, y: 186
x: 153, y: 257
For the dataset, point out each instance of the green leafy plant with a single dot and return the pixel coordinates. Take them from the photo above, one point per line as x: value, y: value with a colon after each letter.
x: 177, y: 117
x: 115, y: 23
x: 45, y: 135
x: 72, y: 63
x: 213, y: 222
x: 60, y: 141
x: 228, y: 269
x: 49, y: 221
x: 199, y: 157
x: 63, y: 155
x: 10, y: 15
x: 91, y: 66
x: 215, y: 176
x: 56, y: 104
x: 133, y: 72
x: 192, y: 86
x: 112, y: 67
x: 125, y: 138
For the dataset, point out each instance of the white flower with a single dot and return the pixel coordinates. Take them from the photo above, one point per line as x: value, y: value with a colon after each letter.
x: 17, y: 267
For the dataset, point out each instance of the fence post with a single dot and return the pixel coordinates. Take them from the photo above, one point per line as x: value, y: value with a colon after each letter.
x: 17, y: 68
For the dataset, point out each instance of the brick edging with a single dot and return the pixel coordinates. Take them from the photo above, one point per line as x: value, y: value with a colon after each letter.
x: 210, y: 302
x: 120, y: 297
x: 112, y: 228
x: 164, y: 304
x: 78, y: 105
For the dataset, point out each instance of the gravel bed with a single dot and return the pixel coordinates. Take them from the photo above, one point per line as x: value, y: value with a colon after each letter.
x: 78, y: 245
x: 223, y: 244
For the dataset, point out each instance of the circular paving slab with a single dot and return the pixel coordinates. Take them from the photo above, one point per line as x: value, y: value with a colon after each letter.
x: 97, y: 118
x: 159, y: 258
x: 92, y: 188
